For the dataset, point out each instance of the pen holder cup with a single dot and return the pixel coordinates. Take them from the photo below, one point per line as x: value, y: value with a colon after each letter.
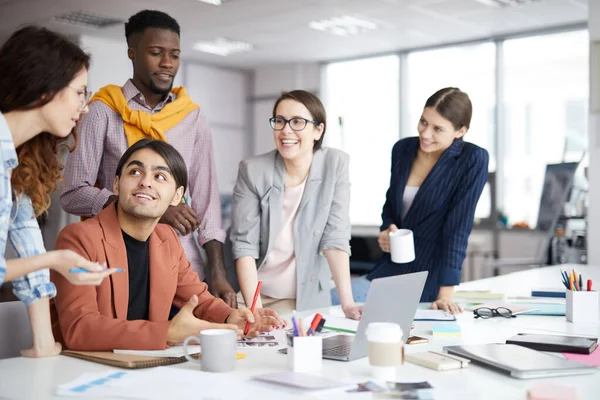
x: 305, y: 353
x: 582, y: 306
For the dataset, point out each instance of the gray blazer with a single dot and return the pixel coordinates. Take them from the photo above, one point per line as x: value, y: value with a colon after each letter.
x: 322, y: 222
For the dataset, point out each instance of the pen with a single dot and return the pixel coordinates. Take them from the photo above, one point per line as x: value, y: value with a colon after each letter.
x: 302, y: 332
x: 294, y: 323
x: 256, y: 293
x: 563, y: 278
x: 314, y: 324
x: 331, y: 328
x: 80, y: 270
x: 580, y: 282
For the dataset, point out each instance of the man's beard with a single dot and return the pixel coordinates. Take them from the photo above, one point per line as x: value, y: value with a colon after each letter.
x: 157, y: 90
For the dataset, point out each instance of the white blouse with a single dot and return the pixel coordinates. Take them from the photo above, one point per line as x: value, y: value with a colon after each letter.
x: 407, y: 199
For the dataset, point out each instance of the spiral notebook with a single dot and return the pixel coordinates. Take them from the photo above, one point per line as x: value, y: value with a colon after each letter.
x: 124, y: 360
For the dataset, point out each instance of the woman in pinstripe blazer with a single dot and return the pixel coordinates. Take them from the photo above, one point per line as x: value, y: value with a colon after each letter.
x: 436, y: 181
x: 290, y: 214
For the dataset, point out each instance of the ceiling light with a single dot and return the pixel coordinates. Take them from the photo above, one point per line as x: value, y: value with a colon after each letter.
x: 223, y: 46
x: 343, y: 26
x: 213, y: 2
x: 80, y: 18
x: 508, y: 3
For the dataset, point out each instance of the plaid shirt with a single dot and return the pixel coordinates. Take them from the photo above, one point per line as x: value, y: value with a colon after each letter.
x: 19, y: 226
x: 102, y: 142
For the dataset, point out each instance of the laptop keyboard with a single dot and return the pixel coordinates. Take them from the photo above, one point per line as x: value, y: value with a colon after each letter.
x: 338, y: 351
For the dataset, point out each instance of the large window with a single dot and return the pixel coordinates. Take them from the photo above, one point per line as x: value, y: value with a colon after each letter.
x: 541, y: 81
x: 472, y: 69
x: 362, y: 101
x: 546, y: 88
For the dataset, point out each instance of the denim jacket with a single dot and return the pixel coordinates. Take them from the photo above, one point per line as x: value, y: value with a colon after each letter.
x: 19, y: 226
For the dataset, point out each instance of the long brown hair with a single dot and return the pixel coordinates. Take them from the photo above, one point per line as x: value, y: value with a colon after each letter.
x: 36, y: 64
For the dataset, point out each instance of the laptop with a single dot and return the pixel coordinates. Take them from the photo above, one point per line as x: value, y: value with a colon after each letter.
x: 519, y: 362
x: 391, y: 299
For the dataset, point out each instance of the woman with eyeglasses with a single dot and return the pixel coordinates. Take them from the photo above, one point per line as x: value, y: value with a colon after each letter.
x: 290, y: 215
x: 436, y: 181
x: 42, y: 95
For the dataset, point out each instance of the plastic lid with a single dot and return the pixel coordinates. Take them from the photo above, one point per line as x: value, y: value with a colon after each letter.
x: 384, y: 332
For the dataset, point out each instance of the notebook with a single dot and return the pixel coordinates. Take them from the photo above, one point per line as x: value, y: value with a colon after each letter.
x: 445, y: 330
x: 437, y: 361
x: 478, y: 294
x: 546, y: 309
x: 124, y: 360
x: 552, y: 292
x: 556, y: 343
x: 433, y: 315
x: 519, y: 362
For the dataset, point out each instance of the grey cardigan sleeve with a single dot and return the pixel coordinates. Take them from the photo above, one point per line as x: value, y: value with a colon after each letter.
x: 336, y: 234
x: 245, y: 216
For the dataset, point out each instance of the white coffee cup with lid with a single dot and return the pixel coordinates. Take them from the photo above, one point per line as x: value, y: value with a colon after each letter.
x: 385, y: 349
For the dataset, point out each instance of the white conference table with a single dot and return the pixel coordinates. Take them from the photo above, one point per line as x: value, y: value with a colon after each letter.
x: 22, y: 378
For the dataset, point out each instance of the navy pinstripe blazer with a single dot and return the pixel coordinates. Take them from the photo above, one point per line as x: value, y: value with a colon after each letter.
x: 441, y: 215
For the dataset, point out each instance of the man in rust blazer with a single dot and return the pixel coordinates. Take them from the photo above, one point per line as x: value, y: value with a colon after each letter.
x: 130, y: 309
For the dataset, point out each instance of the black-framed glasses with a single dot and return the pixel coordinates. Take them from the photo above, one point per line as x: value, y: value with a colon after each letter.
x: 84, y: 96
x: 296, y: 123
x: 485, y: 312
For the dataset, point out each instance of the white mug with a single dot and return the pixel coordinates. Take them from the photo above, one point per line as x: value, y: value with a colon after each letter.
x: 217, y: 349
x: 402, y: 246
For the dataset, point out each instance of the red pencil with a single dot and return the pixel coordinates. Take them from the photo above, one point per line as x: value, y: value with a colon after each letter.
x: 256, y: 294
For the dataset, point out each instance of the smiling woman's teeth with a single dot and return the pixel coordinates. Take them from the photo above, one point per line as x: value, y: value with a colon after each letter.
x: 289, y: 141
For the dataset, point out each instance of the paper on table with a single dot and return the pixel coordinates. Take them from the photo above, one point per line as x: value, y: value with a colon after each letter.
x: 434, y: 315
x: 588, y: 359
x: 175, y: 351
x: 169, y: 383
x: 302, y: 381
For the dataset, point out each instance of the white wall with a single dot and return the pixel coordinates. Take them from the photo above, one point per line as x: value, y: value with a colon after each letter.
x: 594, y: 139
x: 269, y: 82
x: 223, y: 98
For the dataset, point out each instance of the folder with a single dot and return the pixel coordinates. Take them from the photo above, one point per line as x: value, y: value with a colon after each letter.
x: 555, y: 343
x: 124, y: 360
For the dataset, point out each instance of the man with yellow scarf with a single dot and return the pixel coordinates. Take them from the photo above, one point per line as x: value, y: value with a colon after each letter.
x: 148, y: 106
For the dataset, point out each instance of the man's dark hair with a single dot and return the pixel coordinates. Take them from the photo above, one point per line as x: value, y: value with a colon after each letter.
x: 145, y: 19
x: 174, y: 160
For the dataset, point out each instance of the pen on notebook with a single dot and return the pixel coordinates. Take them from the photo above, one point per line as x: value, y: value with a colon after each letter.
x: 256, y: 294
x: 80, y: 270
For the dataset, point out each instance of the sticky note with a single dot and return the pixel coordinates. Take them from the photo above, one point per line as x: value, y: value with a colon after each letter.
x: 446, y: 330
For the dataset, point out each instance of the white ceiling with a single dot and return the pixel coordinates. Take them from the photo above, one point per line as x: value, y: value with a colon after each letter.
x: 279, y: 28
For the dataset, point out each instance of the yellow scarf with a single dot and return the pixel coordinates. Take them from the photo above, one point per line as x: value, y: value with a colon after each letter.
x: 140, y: 124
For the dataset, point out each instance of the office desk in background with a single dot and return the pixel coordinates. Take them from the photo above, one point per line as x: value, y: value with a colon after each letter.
x: 22, y: 378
